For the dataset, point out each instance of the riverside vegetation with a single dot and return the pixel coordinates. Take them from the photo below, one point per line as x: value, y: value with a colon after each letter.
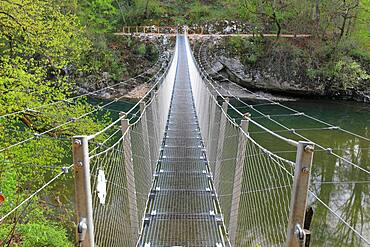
x: 47, y: 46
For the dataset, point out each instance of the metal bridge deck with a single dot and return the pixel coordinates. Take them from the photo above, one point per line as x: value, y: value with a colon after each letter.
x: 183, y: 203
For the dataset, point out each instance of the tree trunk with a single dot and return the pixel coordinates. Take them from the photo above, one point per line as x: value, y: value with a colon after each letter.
x: 278, y: 26
x: 343, y: 27
x: 146, y: 9
x: 317, y: 13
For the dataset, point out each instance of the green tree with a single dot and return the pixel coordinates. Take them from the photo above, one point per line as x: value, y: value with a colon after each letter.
x: 41, y: 43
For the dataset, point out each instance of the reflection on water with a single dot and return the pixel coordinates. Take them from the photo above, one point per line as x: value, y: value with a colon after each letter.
x: 343, y: 186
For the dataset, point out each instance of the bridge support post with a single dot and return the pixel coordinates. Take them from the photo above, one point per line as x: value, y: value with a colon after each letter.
x: 83, y: 196
x: 130, y: 178
x: 211, y: 130
x: 296, y: 234
x: 220, y: 144
x: 155, y: 120
x: 238, y: 179
x: 144, y: 124
x: 213, y: 135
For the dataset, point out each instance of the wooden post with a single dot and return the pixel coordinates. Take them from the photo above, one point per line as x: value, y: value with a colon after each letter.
x: 238, y: 179
x: 137, y: 29
x: 220, y: 144
x: 144, y: 125
x: 296, y: 233
x: 83, y: 196
x: 130, y: 177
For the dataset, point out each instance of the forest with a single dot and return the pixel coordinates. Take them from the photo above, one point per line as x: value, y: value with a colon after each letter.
x: 48, y: 46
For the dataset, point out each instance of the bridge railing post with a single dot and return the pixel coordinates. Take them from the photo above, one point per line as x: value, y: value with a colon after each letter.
x: 145, y: 133
x: 296, y: 235
x: 238, y: 178
x: 220, y: 144
x: 83, y: 196
x: 154, y: 105
x: 130, y: 178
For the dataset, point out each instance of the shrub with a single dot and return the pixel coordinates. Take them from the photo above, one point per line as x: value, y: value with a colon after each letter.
x: 40, y: 234
x: 141, y: 50
x: 349, y: 74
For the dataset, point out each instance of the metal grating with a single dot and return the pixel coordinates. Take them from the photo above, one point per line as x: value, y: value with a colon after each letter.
x: 180, y: 230
x: 181, y: 209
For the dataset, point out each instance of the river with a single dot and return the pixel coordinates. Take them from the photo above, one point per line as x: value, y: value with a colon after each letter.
x: 339, y: 184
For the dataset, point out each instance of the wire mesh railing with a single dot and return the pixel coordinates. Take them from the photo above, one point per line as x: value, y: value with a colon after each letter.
x: 36, y: 182
x: 341, y: 155
x: 262, y: 196
x: 113, y: 180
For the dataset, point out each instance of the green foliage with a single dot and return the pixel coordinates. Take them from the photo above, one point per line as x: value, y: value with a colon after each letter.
x: 349, y: 74
x: 141, y: 50
x: 342, y: 74
x: 101, y: 58
x: 42, y: 44
x: 199, y: 12
x: 41, y: 234
x: 145, y: 12
x: 101, y: 16
x: 252, y: 49
x: 37, y: 44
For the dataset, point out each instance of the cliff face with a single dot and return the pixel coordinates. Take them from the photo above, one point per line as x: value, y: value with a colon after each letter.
x: 262, y: 78
x: 280, y: 71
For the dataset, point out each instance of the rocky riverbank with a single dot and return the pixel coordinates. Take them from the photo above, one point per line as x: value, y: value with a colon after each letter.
x: 278, y: 72
x: 143, y: 68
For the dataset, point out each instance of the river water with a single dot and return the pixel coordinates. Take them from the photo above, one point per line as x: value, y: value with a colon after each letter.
x: 343, y: 186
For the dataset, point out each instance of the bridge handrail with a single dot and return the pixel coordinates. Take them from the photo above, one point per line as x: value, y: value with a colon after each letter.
x: 133, y: 153
x: 84, y: 94
x: 287, y: 107
x: 299, y: 188
x: 154, y: 88
x: 204, y: 77
x: 347, y: 224
x: 330, y: 126
x: 64, y: 171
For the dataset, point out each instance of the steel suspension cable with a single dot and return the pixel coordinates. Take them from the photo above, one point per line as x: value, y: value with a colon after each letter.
x: 80, y: 117
x: 65, y: 170
x: 81, y: 95
x: 284, y: 106
x: 329, y: 150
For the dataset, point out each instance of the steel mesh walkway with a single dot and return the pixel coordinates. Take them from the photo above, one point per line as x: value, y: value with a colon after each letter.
x: 182, y: 205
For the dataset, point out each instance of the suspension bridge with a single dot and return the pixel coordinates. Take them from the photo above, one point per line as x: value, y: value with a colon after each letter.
x: 181, y: 170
